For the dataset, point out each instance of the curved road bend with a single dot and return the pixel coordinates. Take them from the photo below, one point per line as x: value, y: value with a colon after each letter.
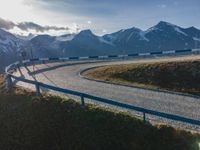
x: 66, y: 75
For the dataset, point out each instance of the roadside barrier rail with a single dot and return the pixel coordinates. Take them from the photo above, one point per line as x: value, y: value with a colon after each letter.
x: 83, y: 96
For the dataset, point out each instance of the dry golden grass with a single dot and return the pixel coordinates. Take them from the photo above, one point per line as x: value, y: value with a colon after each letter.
x: 179, y: 76
x: 2, y: 84
x: 50, y: 122
x: 14, y: 90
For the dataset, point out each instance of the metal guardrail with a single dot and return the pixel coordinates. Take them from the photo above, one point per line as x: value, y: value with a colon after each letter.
x: 83, y: 96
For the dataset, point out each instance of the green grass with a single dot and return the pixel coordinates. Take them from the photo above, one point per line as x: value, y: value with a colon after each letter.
x: 179, y: 76
x: 48, y: 122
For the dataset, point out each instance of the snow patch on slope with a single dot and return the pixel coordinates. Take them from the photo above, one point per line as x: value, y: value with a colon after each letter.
x: 196, y: 39
x: 142, y: 36
x: 112, y: 38
x: 130, y: 36
x: 179, y: 31
x: 65, y: 38
x: 152, y: 29
x: 102, y: 40
x: 9, y: 42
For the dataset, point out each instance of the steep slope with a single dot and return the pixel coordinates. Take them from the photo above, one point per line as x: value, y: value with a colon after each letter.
x: 195, y: 34
x: 65, y: 37
x: 42, y: 46
x: 9, y: 43
x: 127, y: 40
x: 86, y: 43
x: 161, y: 37
x: 49, y: 46
x: 166, y: 36
x: 10, y: 48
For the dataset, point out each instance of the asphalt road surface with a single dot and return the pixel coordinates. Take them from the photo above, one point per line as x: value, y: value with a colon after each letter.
x: 67, y: 75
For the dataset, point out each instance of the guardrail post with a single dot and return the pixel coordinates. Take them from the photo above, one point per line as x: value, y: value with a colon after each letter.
x: 18, y: 67
x: 8, y: 82
x: 144, y: 117
x: 37, y: 86
x: 82, y: 101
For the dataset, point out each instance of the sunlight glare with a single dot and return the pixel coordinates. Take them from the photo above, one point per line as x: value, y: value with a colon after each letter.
x: 15, y: 10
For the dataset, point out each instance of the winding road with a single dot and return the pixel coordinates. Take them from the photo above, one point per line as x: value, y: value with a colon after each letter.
x: 67, y: 75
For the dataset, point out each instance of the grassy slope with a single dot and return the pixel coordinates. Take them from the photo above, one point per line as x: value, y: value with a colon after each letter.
x: 54, y: 123
x: 181, y: 76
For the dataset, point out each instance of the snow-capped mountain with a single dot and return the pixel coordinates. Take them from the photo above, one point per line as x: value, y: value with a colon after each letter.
x: 161, y: 37
x: 66, y: 37
x: 166, y: 36
x: 10, y: 48
x: 86, y: 43
x: 49, y: 46
x: 9, y: 42
x: 25, y: 38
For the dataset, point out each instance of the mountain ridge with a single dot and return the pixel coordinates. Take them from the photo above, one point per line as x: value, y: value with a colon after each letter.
x: 161, y: 37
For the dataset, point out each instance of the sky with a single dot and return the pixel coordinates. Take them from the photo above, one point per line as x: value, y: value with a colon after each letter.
x: 101, y: 16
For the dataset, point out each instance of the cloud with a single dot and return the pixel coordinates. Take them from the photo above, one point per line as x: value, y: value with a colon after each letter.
x: 38, y: 28
x: 77, y: 7
x: 5, y: 24
x: 31, y: 26
x: 75, y: 27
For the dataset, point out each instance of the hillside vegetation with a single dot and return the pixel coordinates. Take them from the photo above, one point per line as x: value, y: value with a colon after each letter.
x: 180, y: 76
x: 48, y: 122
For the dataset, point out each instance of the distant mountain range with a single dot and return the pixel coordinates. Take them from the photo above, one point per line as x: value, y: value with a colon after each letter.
x: 161, y: 37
